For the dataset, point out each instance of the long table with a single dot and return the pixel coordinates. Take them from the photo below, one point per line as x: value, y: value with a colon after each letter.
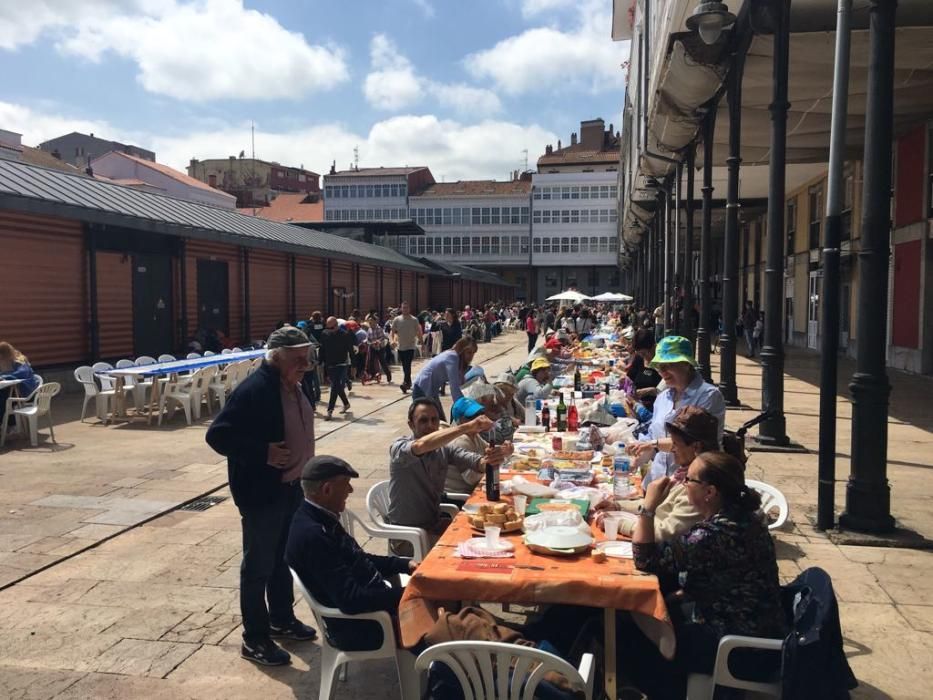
x: 169, y: 369
x: 531, y: 578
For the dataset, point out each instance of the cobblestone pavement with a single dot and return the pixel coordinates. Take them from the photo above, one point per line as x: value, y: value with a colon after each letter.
x: 118, y: 595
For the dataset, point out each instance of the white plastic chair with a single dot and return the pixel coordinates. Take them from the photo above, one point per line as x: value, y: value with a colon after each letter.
x: 105, y: 381
x: 377, y: 505
x: 333, y: 659
x: 209, y: 353
x: 350, y: 520
x: 85, y: 377
x: 771, y: 499
x: 193, y: 356
x: 226, y: 351
x: 223, y: 383
x: 488, y: 670
x: 187, y: 392
x: 166, y: 358
x: 137, y: 385
x: 237, y: 350
x: 144, y: 360
x: 202, y: 387
x: 38, y: 403
x: 702, y: 687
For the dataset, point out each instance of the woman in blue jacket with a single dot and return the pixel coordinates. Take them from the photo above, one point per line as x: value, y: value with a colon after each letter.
x: 448, y: 367
x: 14, y: 365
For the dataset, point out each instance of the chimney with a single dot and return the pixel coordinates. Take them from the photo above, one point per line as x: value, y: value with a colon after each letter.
x: 92, y: 134
x: 592, y: 134
x: 333, y: 167
x: 611, y: 130
x: 548, y: 150
x: 232, y: 159
x: 558, y: 144
x: 193, y: 164
x: 573, y: 139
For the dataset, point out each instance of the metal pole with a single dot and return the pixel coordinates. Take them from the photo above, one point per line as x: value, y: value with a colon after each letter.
x: 868, y: 495
x: 730, y: 265
x: 664, y: 257
x: 829, y: 315
x: 773, y: 430
x: 703, y: 330
x: 183, y: 296
x: 678, y: 268
x: 688, y: 328
x: 668, y: 254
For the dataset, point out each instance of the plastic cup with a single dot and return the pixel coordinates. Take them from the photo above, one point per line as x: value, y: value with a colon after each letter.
x: 611, y: 527
x: 570, y: 444
x: 521, y: 503
x: 492, y: 536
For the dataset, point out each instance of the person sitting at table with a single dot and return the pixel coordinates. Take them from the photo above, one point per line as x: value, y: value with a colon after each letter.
x: 511, y: 413
x: 14, y: 365
x: 725, y: 571
x: 353, y: 581
x: 685, y: 387
x: 691, y: 431
x: 448, y: 367
x: 465, y: 480
x: 645, y: 379
x: 418, y: 467
x: 537, y: 384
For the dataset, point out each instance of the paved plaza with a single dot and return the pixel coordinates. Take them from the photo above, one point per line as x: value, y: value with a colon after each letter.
x: 110, y: 592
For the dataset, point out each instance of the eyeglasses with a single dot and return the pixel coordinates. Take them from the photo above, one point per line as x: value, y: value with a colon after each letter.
x: 688, y: 480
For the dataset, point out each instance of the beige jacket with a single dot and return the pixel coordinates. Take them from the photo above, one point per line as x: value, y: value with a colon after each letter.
x: 464, y: 481
x: 673, y: 517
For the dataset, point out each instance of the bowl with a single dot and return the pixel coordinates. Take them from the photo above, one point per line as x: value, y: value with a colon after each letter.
x: 559, y: 537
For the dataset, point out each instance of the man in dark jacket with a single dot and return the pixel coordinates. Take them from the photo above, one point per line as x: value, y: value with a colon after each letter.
x: 352, y: 580
x: 266, y: 432
x: 337, y: 348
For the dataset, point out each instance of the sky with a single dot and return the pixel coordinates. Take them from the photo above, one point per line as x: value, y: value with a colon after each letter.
x: 462, y: 87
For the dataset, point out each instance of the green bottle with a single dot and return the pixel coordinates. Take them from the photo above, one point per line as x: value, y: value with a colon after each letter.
x: 561, y: 414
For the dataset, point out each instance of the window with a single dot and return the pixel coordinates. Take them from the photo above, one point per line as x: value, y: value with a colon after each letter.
x: 565, y: 193
x: 537, y: 194
x: 550, y: 279
x: 585, y: 192
x: 328, y: 192
x: 524, y: 215
x: 613, y: 244
x: 393, y: 190
x: 447, y: 219
x: 484, y: 248
x: 574, y: 245
x: 476, y: 216
x: 575, y: 216
x: 367, y: 190
x: 613, y: 216
x: 536, y: 245
x: 328, y: 215
x: 545, y: 193
x: 574, y: 193
x: 585, y: 245
x: 446, y: 245
x: 790, y: 226
x: 565, y: 216
x: 603, y: 244
x: 485, y: 219
x: 494, y: 245
x: 604, y: 216
x: 402, y: 244
x: 525, y: 245
x: 594, y: 244
x: 505, y: 245
x: 536, y: 218
x: 403, y: 190
x: 613, y: 191
x: 604, y: 192
x: 494, y: 219
x: 516, y: 242
x: 352, y: 191
x: 545, y: 216
x: 565, y: 244
x: 545, y: 245
x: 455, y: 216
x: 816, y: 207
x: 455, y: 249
x: 344, y: 191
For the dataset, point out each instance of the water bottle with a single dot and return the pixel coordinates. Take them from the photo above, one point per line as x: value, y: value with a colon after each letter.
x: 530, y: 417
x: 621, y: 473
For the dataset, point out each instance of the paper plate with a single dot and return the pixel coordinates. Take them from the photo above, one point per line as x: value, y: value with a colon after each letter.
x: 559, y: 537
x: 616, y: 550
x: 479, y: 544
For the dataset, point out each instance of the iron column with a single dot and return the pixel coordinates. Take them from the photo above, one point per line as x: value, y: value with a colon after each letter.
x: 868, y: 495
x: 730, y: 265
x: 688, y: 328
x: 703, y: 330
x: 773, y: 430
x: 829, y: 316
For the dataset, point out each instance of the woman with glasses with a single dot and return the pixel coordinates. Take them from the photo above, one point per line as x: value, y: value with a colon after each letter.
x: 674, y: 361
x: 723, y: 572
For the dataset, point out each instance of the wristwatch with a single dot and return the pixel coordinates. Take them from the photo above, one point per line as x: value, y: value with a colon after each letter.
x: 644, y: 512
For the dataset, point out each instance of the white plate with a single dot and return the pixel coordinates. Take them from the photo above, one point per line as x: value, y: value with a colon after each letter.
x: 559, y: 537
x: 616, y: 550
x: 479, y: 543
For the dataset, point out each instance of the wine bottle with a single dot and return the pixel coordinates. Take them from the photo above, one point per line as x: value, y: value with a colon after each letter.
x: 561, y: 415
x: 492, y: 479
x: 573, y: 418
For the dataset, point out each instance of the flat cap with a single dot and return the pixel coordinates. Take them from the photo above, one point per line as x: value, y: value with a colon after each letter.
x: 324, y: 467
x: 287, y: 337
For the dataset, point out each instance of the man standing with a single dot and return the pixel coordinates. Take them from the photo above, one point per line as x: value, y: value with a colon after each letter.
x: 353, y: 580
x: 418, y: 465
x: 406, y: 335
x: 337, y: 347
x: 532, y: 329
x: 266, y: 432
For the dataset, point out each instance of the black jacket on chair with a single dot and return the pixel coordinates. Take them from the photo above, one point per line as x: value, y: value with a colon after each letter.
x: 814, y: 664
x: 341, y: 575
x: 251, y: 419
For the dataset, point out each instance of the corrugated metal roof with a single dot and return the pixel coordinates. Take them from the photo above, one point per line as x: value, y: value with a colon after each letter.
x: 466, y: 272
x: 25, y: 187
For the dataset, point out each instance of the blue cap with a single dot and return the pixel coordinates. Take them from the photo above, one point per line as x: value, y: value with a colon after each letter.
x: 465, y: 409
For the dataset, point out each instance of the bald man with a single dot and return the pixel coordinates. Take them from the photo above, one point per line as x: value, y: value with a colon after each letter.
x: 337, y: 346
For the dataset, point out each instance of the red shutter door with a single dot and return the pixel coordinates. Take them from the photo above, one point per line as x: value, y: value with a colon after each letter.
x: 310, y: 283
x: 268, y: 288
x: 905, y: 329
x: 368, y: 293
x: 908, y: 192
x: 115, y: 305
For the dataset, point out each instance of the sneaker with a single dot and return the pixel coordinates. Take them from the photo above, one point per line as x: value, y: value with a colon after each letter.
x: 295, y: 629
x: 345, y: 409
x: 329, y: 416
x: 265, y: 652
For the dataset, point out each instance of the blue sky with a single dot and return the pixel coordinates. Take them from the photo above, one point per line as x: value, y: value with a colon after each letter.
x: 462, y: 87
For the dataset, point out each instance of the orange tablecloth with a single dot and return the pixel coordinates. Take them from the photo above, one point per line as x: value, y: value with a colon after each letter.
x: 527, y: 578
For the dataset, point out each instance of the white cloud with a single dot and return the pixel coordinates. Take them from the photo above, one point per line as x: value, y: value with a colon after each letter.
x: 454, y: 150
x: 393, y: 85
x: 530, y: 8
x: 196, y: 51
x: 551, y: 58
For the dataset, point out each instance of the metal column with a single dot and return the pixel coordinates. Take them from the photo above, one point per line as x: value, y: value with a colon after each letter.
x: 773, y: 430
x: 706, y: 244
x: 730, y: 265
x: 688, y: 326
x: 868, y: 495
x: 677, y: 278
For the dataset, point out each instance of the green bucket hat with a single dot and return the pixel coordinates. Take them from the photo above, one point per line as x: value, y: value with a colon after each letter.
x: 671, y: 349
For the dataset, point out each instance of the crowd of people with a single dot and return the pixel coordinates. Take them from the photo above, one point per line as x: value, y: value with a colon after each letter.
x: 697, y: 527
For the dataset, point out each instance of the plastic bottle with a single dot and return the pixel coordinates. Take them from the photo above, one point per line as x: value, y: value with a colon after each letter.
x: 621, y: 473
x: 530, y: 417
x: 546, y: 417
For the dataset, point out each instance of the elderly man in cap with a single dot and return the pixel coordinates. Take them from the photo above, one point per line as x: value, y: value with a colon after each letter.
x: 537, y: 384
x: 332, y: 565
x: 266, y: 432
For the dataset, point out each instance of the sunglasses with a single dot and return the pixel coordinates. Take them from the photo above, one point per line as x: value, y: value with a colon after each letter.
x: 688, y: 480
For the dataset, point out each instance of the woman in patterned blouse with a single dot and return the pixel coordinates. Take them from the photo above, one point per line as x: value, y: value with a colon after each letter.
x: 723, y: 570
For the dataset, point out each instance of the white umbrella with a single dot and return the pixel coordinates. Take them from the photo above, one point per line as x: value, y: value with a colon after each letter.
x: 568, y: 295
x: 612, y: 296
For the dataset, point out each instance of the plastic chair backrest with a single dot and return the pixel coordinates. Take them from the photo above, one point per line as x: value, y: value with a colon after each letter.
x: 209, y: 353
x: 488, y: 670
x: 377, y: 501
x: 166, y: 358
x: 193, y: 356
x: 84, y: 375
x: 123, y: 364
x: 144, y: 360
x: 237, y: 349
x: 43, y: 396
x: 771, y: 498
x: 226, y: 351
x: 105, y: 382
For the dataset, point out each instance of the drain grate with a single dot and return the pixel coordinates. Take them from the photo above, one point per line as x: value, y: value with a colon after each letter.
x: 203, y: 503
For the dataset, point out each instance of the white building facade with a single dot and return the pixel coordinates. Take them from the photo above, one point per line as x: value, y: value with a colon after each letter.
x: 372, y: 194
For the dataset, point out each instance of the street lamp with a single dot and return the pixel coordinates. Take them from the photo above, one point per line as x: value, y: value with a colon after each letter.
x: 709, y: 19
